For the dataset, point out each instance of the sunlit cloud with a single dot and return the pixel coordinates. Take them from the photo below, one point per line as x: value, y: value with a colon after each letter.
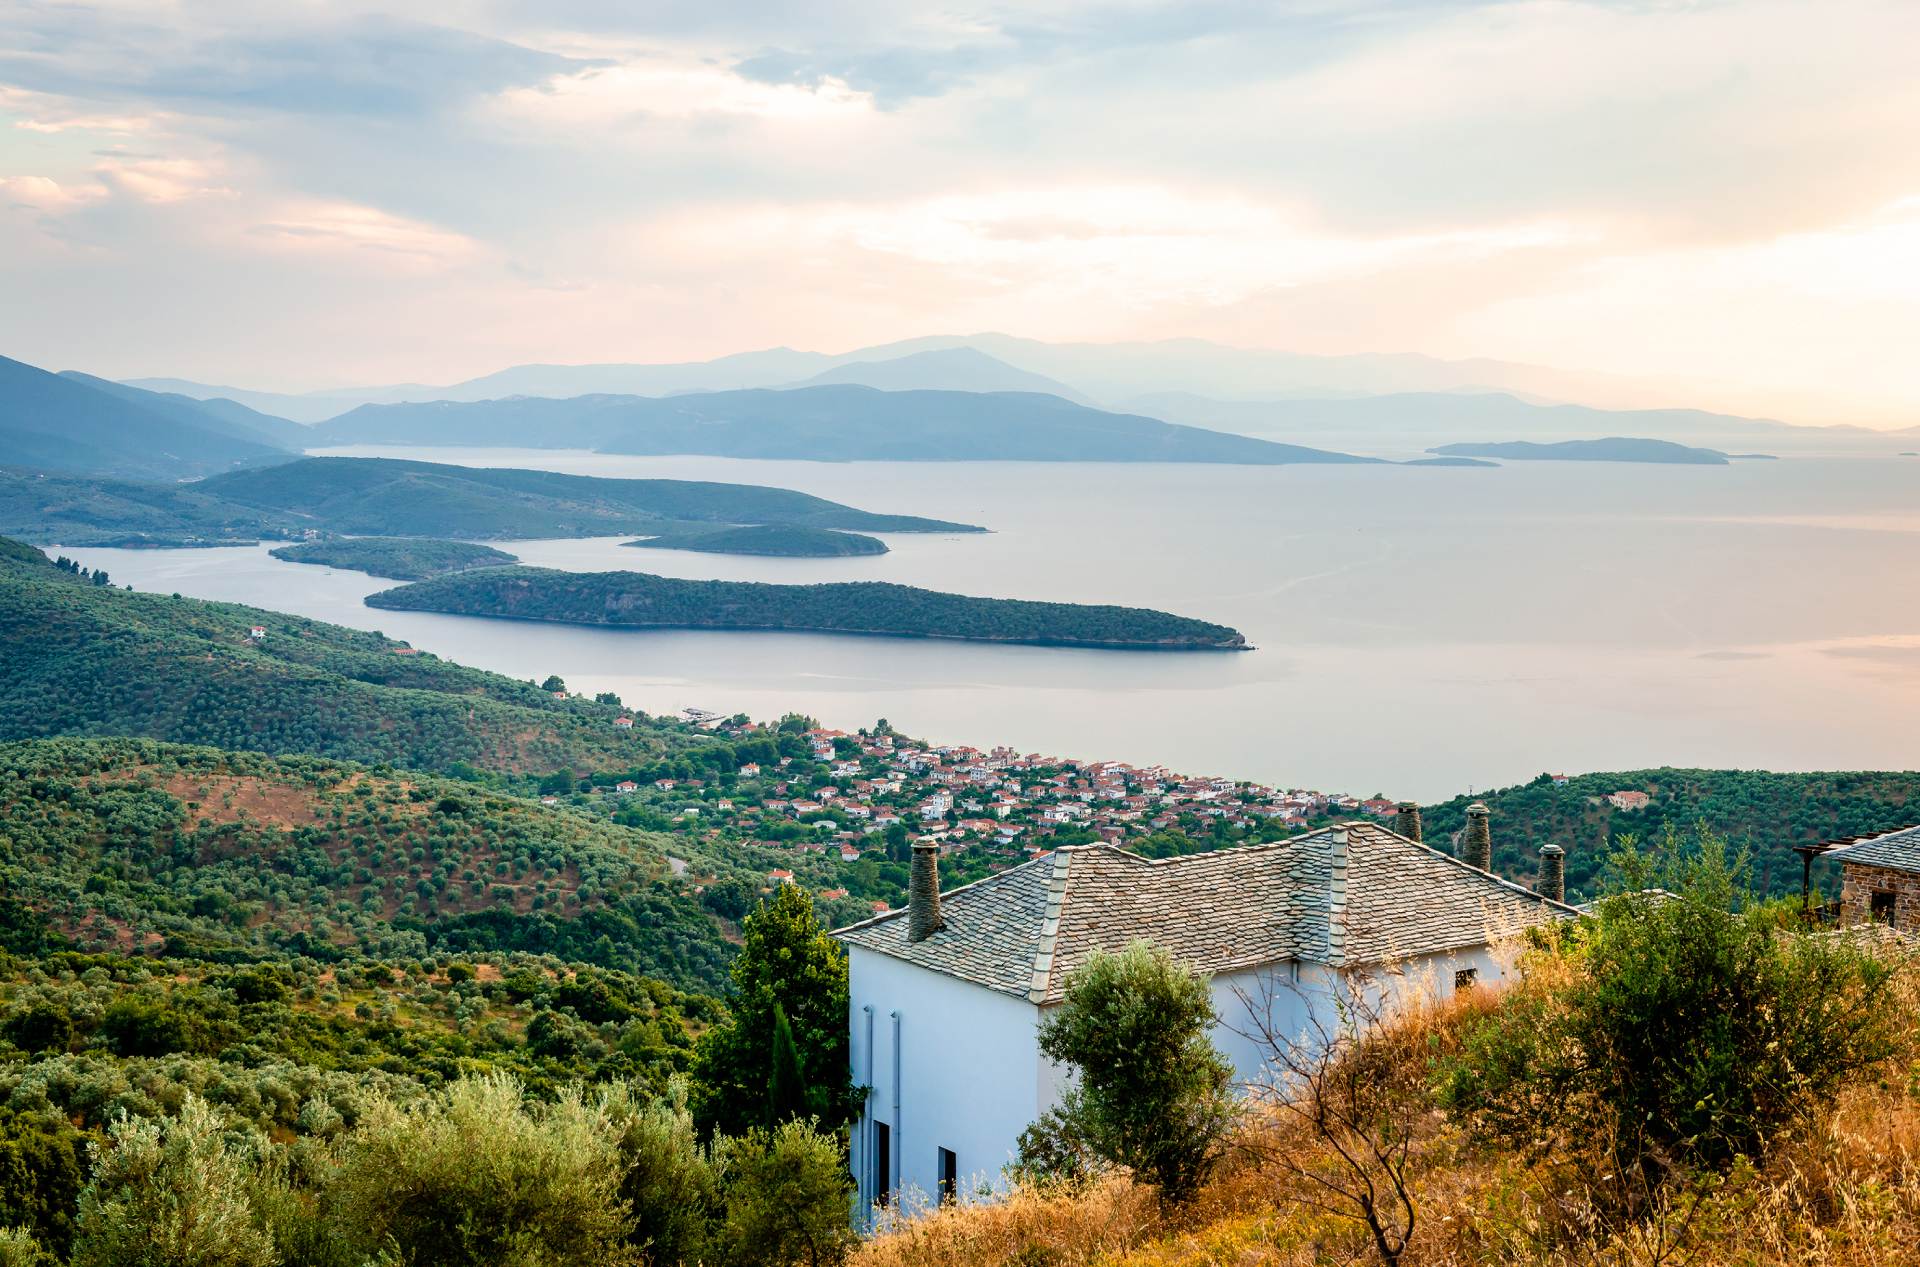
x: 336, y: 227
x: 658, y: 89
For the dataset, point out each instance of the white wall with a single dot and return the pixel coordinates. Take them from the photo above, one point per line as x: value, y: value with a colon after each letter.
x: 970, y: 1072
x: 972, y: 1076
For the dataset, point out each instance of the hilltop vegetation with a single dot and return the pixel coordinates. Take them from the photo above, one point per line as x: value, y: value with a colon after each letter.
x: 638, y: 601
x: 381, y: 497
x: 1763, y: 812
x: 130, y: 845
x: 783, y: 540
x: 388, y: 497
x: 401, y: 558
x: 92, y: 660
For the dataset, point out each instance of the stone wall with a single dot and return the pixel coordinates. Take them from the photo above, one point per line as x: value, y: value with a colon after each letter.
x: 1859, y: 883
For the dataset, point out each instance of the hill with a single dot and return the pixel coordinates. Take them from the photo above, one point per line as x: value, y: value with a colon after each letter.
x: 636, y: 600
x: 1763, y: 812
x: 783, y: 540
x: 93, y: 660
x: 1611, y: 449
x: 53, y: 423
x: 960, y: 369
x: 400, y: 558
x: 832, y: 423
x: 386, y: 497
x: 129, y: 845
x: 217, y: 414
x: 74, y: 510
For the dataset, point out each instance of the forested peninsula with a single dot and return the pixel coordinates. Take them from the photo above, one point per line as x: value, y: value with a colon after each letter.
x: 638, y: 600
x: 791, y: 541
x: 397, y: 558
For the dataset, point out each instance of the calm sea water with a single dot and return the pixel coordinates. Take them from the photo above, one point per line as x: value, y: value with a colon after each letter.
x: 1419, y: 631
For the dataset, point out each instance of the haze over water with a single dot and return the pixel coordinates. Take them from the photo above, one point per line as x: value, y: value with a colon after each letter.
x: 1420, y: 632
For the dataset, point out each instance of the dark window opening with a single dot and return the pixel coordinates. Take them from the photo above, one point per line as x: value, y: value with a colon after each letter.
x: 1880, y: 907
x: 1463, y: 978
x: 882, y: 1186
x: 949, y: 1176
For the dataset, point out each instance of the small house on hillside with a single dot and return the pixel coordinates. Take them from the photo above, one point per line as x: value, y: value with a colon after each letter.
x: 946, y: 997
x: 1880, y: 879
x: 1629, y: 800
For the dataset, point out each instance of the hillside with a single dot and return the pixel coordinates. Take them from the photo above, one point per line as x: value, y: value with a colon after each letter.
x: 399, y: 558
x: 49, y: 422
x: 73, y: 510
x: 1611, y: 449
x: 93, y: 660
x: 130, y: 845
x: 830, y: 423
x: 635, y: 600
x: 217, y: 414
x: 1763, y: 812
x: 782, y: 540
x: 387, y: 497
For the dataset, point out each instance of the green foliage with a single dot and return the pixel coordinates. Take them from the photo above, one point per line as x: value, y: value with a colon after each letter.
x: 1762, y: 812
x: 402, y: 558
x: 478, y: 1177
x: 85, y: 660
x: 788, y: 1198
x: 669, y: 1182
x: 18, y: 1248
x: 638, y: 600
x: 1152, y: 1093
x: 1692, y: 1028
x: 783, y: 540
x: 171, y: 1193
x: 788, y: 971
x: 42, y: 1168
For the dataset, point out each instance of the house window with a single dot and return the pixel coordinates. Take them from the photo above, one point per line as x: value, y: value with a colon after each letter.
x: 1463, y: 978
x: 949, y: 1176
x: 882, y: 1186
x: 1880, y: 906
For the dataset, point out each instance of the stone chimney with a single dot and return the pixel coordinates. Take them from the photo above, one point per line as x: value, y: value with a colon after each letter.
x: 1337, y: 896
x: 1553, y: 872
x: 1477, y: 849
x: 1407, y: 821
x: 923, y: 891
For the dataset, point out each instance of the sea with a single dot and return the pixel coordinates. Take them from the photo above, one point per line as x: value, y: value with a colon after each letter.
x: 1419, y: 631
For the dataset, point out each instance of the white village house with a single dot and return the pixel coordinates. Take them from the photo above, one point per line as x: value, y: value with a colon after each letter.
x: 947, y: 996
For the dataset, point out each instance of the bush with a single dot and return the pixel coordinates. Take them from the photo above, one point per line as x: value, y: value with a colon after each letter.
x: 788, y: 1198
x: 475, y: 1177
x: 1681, y: 1026
x: 668, y: 1181
x: 1152, y: 1093
x: 170, y: 1193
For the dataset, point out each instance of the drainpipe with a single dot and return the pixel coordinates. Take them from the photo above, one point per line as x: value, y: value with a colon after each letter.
x: 866, y: 1124
x: 897, y: 1150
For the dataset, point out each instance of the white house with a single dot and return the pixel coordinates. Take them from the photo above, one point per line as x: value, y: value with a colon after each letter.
x: 947, y: 995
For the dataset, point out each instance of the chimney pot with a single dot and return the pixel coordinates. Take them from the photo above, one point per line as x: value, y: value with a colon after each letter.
x: 1407, y: 821
x: 1553, y: 872
x: 1478, y: 849
x: 923, y: 892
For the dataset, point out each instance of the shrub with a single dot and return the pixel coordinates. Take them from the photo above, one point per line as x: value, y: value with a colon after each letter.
x: 1152, y: 1093
x: 1690, y: 1029
x: 668, y: 1181
x: 170, y: 1193
x: 475, y: 1177
x: 788, y: 1198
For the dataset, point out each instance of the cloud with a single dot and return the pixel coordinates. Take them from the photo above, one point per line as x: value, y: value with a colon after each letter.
x: 337, y: 227
x: 42, y: 193
x: 658, y: 89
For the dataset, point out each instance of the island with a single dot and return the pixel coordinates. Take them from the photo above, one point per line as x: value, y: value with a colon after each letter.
x: 637, y: 600
x: 1459, y: 462
x: 1611, y: 449
x: 788, y: 541
x: 397, y: 558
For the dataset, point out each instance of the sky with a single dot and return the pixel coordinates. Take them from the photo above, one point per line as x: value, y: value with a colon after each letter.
x: 1721, y: 199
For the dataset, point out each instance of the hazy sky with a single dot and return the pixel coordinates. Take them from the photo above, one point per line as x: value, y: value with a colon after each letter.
x: 1720, y: 195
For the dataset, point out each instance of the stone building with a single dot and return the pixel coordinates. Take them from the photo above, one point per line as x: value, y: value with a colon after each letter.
x: 1880, y: 879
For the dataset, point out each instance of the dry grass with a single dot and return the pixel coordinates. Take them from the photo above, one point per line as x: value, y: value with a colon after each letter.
x: 1845, y: 1193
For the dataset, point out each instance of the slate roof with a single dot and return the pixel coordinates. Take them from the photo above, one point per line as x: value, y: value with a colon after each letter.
x: 1895, y: 850
x: 1025, y: 930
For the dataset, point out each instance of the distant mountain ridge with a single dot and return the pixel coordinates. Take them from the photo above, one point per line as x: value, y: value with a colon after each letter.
x: 89, y: 427
x: 1610, y: 449
x: 826, y: 423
